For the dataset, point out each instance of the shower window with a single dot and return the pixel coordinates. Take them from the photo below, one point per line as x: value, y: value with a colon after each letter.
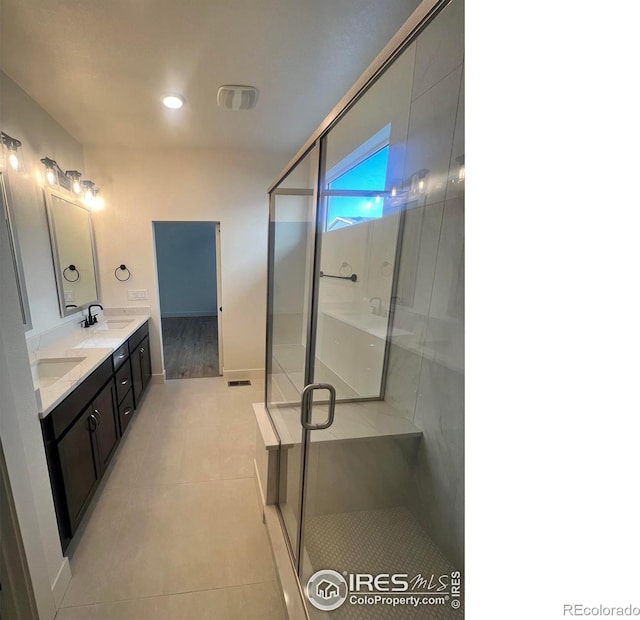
x: 358, y: 205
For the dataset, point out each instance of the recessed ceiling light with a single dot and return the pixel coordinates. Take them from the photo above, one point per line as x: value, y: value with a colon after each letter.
x: 173, y: 102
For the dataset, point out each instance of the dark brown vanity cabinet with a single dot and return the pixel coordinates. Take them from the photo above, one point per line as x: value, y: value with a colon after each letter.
x: 80, y: 436
x: 82, y: 433
x: 140, y: 362
x: 85, y: 450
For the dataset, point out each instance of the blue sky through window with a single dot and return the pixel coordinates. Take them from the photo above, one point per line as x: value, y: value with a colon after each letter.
x: 370, y: 174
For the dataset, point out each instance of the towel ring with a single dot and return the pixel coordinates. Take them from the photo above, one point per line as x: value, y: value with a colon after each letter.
x: 71, y: 268
x: 122, y: 268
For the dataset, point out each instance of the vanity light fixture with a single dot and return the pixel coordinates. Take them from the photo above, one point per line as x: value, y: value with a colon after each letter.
x: 98, y: 200
x: 417, y: 182
x: 173, y: 102
x: 12, y: 145
x: 460, y: 175
x: 74, y: 176
x: 88, y: 192
x: 52, y: 169
x: 71, y: 180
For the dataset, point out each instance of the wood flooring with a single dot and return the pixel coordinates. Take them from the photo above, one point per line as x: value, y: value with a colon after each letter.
x: 190, y: 347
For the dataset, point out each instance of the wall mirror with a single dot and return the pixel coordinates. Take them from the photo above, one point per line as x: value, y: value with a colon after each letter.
x: 73, y: 250
x: 5, y: 199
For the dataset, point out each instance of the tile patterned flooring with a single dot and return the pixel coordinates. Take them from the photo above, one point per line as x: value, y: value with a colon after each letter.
x: 175, y: 530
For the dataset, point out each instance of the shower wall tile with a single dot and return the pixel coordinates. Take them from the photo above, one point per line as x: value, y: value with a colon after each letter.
x: 403, y: 376
x: 456, y: 170
x: 441, y: 49
x: 438, y: 477
x: 429, y: 237
x: 445, y: 329
x: 438, y: 507
x: 431, y: 129
x: 347, y: 476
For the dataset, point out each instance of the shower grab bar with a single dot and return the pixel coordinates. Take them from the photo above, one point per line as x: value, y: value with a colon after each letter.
x: 305, y: 406
x: 353, y: 277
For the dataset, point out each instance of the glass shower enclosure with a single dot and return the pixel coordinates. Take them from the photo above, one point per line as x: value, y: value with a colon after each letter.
x: 365, y: 339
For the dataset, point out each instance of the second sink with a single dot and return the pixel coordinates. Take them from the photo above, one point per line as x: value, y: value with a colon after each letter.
x: 46, y: 372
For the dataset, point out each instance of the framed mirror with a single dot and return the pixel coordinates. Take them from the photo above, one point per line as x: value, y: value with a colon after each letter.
x: 14, y: 246
x: 73, y: 249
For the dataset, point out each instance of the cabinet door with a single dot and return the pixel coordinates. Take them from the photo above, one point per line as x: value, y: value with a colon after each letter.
x: 104, y: 408
x: 141, y: 369
x: 79, y: 465
x: 145, y: 362
x: 136, y: 375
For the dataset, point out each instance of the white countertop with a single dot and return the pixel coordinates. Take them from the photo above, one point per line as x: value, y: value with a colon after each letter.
x: 92, y: 345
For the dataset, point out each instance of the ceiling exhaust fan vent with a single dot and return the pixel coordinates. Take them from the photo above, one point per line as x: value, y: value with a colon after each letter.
x: 237, y: 98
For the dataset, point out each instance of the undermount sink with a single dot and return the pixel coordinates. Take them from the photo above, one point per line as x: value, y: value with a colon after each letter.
x: 116, y: 323
x: 46, y: 372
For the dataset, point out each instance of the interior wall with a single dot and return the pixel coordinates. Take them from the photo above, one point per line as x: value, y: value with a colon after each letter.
x: 146, y: 185
x: 23, y: 447
x: 186, y: 260
x: 41, y: 136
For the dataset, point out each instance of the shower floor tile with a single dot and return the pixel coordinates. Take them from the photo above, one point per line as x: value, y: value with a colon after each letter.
x: 377, y: 541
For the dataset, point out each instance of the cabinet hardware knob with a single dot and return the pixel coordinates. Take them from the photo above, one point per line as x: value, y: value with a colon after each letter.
x: 122, y: 356
x: 124, y: 382
x: 99, y: 416
x: 141, y: 349
x: 95, y: 420
x: 127, y: 411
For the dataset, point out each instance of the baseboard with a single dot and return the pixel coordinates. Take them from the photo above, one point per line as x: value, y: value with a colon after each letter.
x: 187, y: 314
x: 61, y: 582
x: 255, y: 374
x: 159, y: 377
x: 291, y: 593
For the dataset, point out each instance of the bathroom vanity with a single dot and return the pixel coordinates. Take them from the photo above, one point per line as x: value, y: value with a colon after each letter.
x: 89, y: 386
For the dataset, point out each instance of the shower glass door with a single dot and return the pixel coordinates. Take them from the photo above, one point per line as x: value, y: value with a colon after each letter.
x: 356, y: 467
x: 291, y: 239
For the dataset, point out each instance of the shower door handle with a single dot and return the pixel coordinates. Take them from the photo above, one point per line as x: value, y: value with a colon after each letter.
x: 306, y: 401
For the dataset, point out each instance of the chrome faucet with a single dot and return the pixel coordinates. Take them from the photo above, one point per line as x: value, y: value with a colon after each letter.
x: 376, y: 310
x: 92, y: 319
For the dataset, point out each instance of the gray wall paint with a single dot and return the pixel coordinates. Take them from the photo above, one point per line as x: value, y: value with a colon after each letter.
x: 186, y: 259
x: 41, y: 136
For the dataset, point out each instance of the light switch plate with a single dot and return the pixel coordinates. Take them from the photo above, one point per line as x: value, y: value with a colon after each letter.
x: 137, y: 294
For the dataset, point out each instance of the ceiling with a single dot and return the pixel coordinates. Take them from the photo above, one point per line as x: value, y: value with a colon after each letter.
x: 100, y: 68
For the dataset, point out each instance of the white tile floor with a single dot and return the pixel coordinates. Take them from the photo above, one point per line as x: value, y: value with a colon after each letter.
x: 175, y: 529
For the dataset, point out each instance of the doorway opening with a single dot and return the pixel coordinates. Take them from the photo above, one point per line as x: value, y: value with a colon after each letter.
x: 188, y: 267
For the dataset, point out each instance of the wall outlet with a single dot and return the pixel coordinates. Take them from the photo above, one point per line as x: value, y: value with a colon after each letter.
x: 135, y: 295
x: 68, y: 295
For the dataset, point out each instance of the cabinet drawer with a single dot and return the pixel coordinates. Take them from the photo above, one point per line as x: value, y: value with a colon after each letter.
x: 120, y: 355
x: 125, y: 411
x: 123, y: 380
